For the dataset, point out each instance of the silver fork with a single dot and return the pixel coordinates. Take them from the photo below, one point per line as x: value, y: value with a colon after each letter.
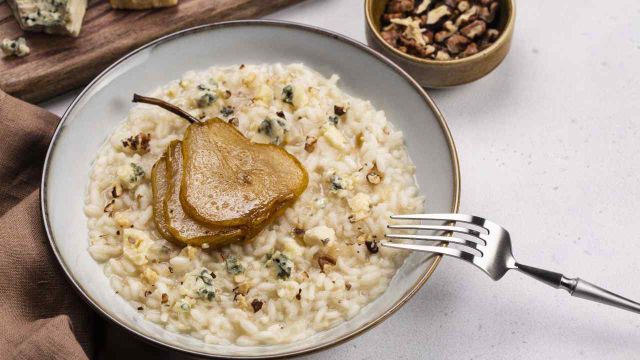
x: 490, y: 250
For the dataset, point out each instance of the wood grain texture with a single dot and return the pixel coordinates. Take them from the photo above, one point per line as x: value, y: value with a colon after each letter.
x: 59, y: 63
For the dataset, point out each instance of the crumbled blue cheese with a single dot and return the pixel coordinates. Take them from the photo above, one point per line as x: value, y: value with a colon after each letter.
x: 206, y: 96
x: 50, y: 16
x: 226, y: 111
x: 198, y: 284
x: 319, y: 235
x: 281, y: 263
x: 130, y: 175
x: 287, y: 94
x: 339, y: 183
x: 271, y: 131
x: 17, y: 47
x: 320, y: 203
x: 149, y: 276
x: 300, y: 97
x: 295, y: 95
x: 184, y: 305
x: 360, y: 205
x: 233, y: 266
x: 334, y: 137
x: 136, y: 245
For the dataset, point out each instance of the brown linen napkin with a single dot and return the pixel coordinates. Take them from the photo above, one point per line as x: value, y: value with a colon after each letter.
x: 41, y: 316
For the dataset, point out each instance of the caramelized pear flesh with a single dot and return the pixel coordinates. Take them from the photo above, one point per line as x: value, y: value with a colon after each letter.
x: 183, y: 228
x: 230, y: 181
x: 159, y: 187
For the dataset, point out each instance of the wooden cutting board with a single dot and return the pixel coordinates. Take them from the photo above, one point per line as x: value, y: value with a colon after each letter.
x: 60, y: 63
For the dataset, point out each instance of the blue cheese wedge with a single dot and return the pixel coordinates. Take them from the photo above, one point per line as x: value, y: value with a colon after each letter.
x: 17, y: 47
x: 50, y: 16
x: 141, y: 4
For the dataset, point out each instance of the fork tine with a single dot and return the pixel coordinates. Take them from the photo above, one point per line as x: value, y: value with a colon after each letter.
x: 455, y: 229
x: 468, y: 242
x: 458, y: 253
x: 469, y: 219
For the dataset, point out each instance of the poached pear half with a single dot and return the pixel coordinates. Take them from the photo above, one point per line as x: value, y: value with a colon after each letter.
x: 230, y: 181
x: 159, y: 185
x: 183, y: 228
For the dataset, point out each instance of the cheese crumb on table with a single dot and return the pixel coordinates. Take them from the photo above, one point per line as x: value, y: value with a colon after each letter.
x: 17, y: 47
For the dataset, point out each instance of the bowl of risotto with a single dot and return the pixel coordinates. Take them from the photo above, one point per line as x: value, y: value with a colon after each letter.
x: 366, y: 141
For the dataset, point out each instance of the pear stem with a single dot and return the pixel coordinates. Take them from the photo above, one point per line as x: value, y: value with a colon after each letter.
x: 165, y: 105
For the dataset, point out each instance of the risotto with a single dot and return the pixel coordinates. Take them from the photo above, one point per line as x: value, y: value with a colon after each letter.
x: 314, y: 267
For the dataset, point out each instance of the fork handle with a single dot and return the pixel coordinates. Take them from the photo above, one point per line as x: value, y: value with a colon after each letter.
x: 579, y: 288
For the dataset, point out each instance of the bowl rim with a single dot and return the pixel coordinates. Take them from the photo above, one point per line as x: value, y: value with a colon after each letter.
x: 502, y: 40
x: 455, y: 201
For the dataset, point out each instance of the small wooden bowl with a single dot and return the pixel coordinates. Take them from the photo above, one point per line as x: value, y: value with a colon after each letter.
x: 437, y: 73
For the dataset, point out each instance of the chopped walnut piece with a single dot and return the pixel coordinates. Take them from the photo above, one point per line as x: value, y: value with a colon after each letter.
x: 256, y: 305
x: 463, y: 6
x: 468, y: 16
x: 450, y: 29
x: 472, y: 49
x: 299, y: 295
x: 325, y: 260
x: 347, y: 285
x: 241, y: 289
x: 437, y: 14
x: 424, y: 5
x: 412, y: 35
x: 164, y: 298
x: 372, y: 246
x: 339, y: 110
x: 487, y: 39
x: 386, y: 18
x: 451, y: 3
x: 298, y: 231
x: 109, y: 207
x: 488, y: 14
x: 442, y: 55
x: 492, y: 34
x: 116, y: 190
x: 457, y: 43
x: 391, y: 34
x: 234, y: 121
x: 374, y: 176
x: 474, y: 29
x: 396, y: 6
x: 138, y: 143
x: 310, y: 143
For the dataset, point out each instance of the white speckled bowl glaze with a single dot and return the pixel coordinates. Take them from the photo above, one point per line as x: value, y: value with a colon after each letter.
x: 105, y: 102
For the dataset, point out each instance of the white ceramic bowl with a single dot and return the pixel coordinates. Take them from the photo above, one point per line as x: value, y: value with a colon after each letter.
x: 104, y: 103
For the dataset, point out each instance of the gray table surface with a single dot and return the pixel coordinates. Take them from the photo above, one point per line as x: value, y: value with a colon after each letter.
x: 549, y: 148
